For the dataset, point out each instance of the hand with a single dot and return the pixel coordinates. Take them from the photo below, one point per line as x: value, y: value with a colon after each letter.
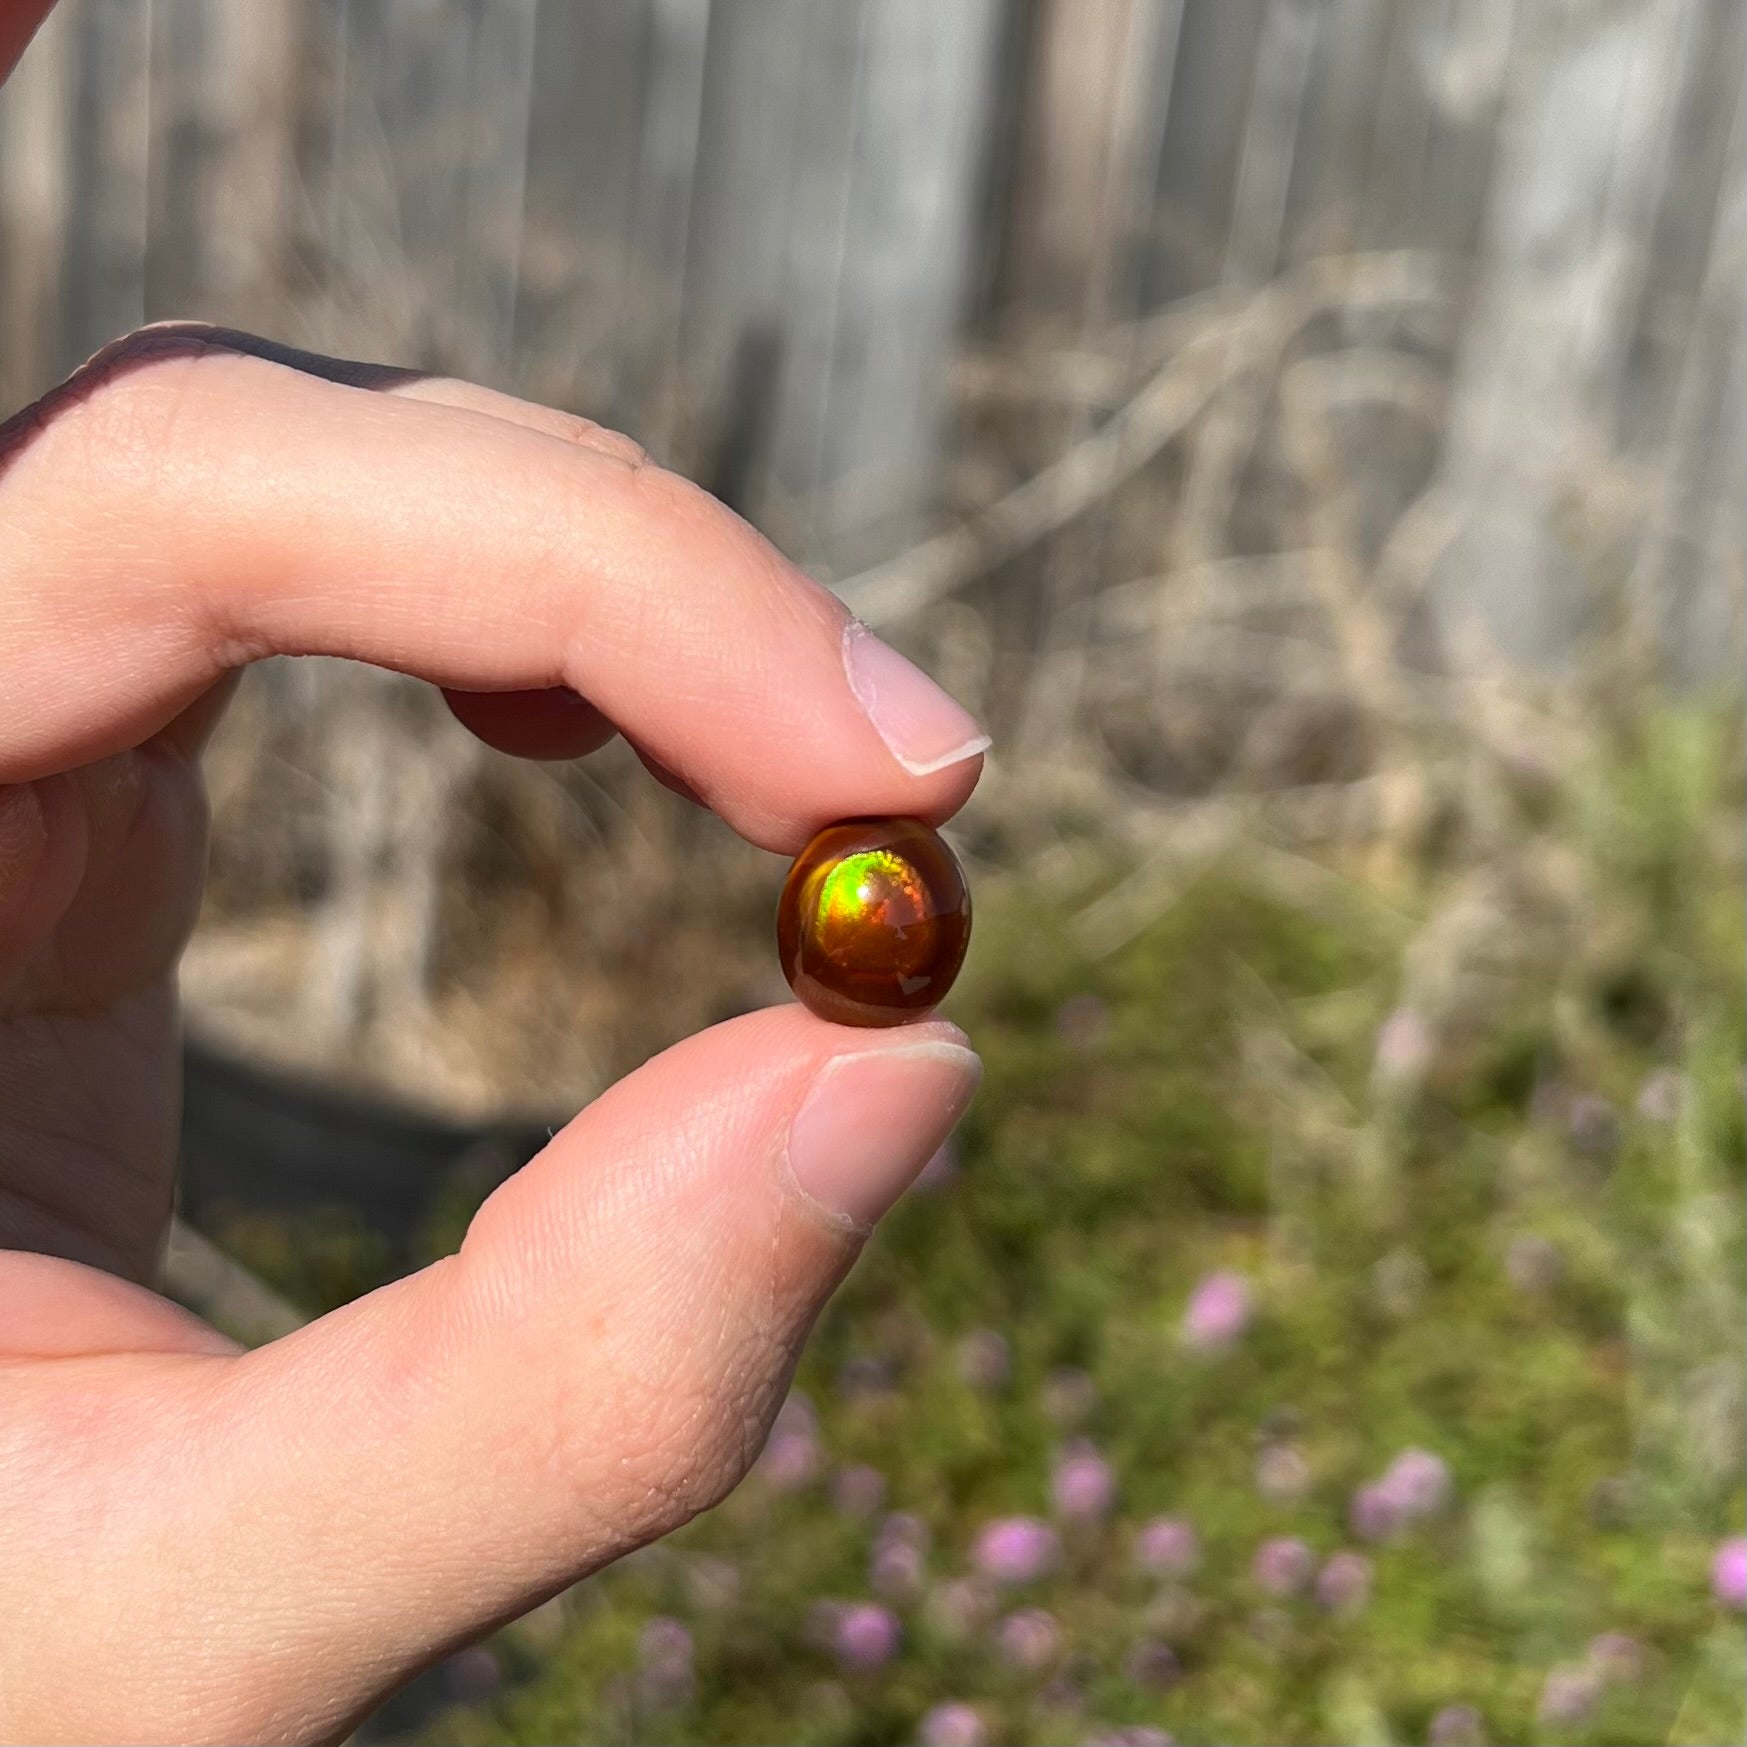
x: 209, y: 1544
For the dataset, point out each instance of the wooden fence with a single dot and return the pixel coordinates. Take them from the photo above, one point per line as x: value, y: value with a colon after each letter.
x: 1086, y: 344
x: 755, y: 231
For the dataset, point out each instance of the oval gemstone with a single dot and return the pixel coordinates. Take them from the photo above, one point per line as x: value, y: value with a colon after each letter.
x: 873, y: 922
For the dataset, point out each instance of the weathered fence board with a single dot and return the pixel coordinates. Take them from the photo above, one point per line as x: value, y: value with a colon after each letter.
x: 36, y: 178
x: 103, y: 274
x: 221, y: 158
x: 750, y: 230
x: 1203, y: 146
x: 580, y: 283
x: 430, y: 150
x: 1582, y: 159
x: 904, y: 267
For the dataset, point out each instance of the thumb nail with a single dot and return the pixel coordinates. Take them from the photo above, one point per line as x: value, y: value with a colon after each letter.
x: 872, y: 1120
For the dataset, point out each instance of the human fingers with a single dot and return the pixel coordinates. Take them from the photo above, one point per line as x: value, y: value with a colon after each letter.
x: 18, y: 22
x: 553, y: 722
x: 182, y: 507
x: 599, y: 1362
x: 556, y: 722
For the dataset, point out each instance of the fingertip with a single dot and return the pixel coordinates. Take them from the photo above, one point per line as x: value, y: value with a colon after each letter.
x: 925, y: 728
x: 873, y: 1117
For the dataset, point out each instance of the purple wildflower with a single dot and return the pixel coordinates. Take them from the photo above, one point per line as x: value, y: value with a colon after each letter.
x: 962, y: 1606
x: 1082, y: 1022
x: 897, y: 1571
x: 1218, y: 1312
x: 953, y: 1724
x: 941, y: 1168
x: 1083, y: 1486
x: 1068, y: 1395
x: 790, y: 1461
x: 904, y: 1528
x: 1399, y: 1280
x: 865, y: 1636
x: 1175, y: 1614
x: 1271, y: 1629
x: 1550, y: 1101
x: 1457, y: 1726
x: 1017, y: 1549
x: 1282, y: 1472
x: 664, y: 1660
x: 1030, y: 1639
x: 858, y: 1491
x: 864, y: 1374
x: 1167, y: 1547
x: 1062, y: 1693
x: 1419, y: 1482
x: 1617, y: 1657
x: 1532, y: 1264
x: 1376, y: 1512
x: 1729, y: 1573
x: 472, y: 1675
x: 1343, y: 1585
x: 663, y: 1642
x: 1405, y: 1046
x: 791, y: 1457
x: 712, y: 1585
x: 985, y: 1361
x: 1152, y: 1663
x: 1568, y: 1695
x: 1282, y: 1565
x: 1594, y: 1126
x: 1661, y: 1095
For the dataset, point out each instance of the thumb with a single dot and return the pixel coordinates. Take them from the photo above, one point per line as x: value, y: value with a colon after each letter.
x: 599, y: 1362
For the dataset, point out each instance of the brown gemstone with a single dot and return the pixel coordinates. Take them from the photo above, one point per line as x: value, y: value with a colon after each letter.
x: 873, y: 921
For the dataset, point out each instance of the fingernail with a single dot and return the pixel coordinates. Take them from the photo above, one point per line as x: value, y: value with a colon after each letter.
x: 924, y: 729
x: 872, y: 1120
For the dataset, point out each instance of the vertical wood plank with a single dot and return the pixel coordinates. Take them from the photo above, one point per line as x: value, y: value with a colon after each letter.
x: 577, y: 289
x: 1467, y: 81
x: 36, y: 173
x: 424, y: 194
x: 1686, y: 581
x: 1277, y: 93
x: 905, y: 265
x: 1705, y: 164
x: 1096, y: 90
x: 1580, y: 158
x: 661, y: 213
x: 1328, y: 171
x: 747, y: 292
x: 1401, y: 124
x: 106, y: 252
x: 1203, y: 141
x: 430, y: 156
x: 222, y: 160
x: 785, y: 356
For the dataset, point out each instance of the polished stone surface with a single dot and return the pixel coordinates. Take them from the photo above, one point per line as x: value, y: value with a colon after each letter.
x: 873, y: 922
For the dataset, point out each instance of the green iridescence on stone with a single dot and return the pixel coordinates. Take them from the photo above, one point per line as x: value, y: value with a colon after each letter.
x: 860, y: 885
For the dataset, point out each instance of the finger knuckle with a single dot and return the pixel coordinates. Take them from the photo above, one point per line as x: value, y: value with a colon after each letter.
x: 585, y: 433
x: 119, y: 409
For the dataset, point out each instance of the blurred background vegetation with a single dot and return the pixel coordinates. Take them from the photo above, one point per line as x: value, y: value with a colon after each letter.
x: 1309, y: 432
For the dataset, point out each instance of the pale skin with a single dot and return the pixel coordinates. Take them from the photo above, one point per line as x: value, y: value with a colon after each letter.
x: 207, y: 1544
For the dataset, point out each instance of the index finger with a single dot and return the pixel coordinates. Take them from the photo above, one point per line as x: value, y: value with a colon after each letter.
x: 182, y: 507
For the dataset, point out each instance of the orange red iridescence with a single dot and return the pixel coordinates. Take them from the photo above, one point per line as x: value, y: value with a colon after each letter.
x: 873, y: 921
